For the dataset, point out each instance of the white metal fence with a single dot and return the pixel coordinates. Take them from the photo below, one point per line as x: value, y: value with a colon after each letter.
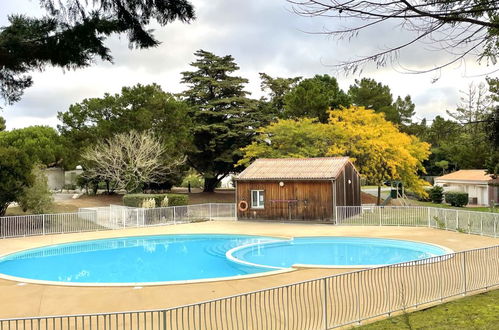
x: 471, y: 222
x: 112, y: 217
x: 323, y: 303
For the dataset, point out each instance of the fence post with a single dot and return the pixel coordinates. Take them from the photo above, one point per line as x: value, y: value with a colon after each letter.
x: 481, y: 224
x: 380, y: 211
x: 464, y: 272
x: 174, y: 215
x: 495, y: 227
x: 336, y: 215
x: 457, y: 220
x: 210, y: 212
x: 324, y: 306
x: 429, y: 218
x: 43, y: 224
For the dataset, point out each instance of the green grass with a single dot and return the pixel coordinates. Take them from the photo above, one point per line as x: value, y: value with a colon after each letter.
x: 447, y: 206
x: 475, y: 312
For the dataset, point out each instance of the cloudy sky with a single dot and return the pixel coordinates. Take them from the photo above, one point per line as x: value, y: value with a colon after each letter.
x: 262, y: 35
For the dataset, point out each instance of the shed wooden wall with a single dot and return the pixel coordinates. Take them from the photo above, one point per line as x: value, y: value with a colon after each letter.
x: 348, y: 194
x: 314, y: 200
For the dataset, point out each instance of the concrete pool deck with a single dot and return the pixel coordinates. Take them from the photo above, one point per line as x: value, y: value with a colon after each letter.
x: 27, y: 299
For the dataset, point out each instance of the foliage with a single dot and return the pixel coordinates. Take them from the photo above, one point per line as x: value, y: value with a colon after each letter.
x: 136, y: 200
x: 313, y: 98
x: 456, y: 198
x: 277, y: 89
x: 41, y: 144
x: 129, y: 160
x: 37, y: 197
x: 2, y: 124
x: 379, y: 150
x: 148, y: 203
x: 492, y: 164
x: 165, y: 202
x: 459, y: 28
x: 303, y: 137
x: 443, y: 164
x: 194, y: 179
x: 15, y: 174
x: 371, y: 94
x: 437, y: 194
x: 224, y: 117
x: 138, y: 108
x: 72, y: 34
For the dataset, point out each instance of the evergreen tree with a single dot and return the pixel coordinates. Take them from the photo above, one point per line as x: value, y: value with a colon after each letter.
x: 313, y: 98
x: 224, y: 118
x: 277, y: 89
x: 373, y: 95
x: 72, y: 35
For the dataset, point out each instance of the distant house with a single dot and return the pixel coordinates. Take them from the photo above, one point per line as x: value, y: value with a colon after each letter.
x: 482, y: 189
x: 297, y: 188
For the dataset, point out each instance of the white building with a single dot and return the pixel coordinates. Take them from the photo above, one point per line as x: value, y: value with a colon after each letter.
x: 481, y: 188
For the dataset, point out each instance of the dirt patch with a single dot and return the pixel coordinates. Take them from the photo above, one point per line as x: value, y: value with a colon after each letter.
x: 368, y: 198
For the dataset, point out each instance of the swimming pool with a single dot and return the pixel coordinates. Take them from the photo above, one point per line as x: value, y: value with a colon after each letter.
x: 171, y: 258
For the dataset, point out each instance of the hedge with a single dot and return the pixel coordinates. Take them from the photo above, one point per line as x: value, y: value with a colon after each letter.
x: 437, y: 194
x: 136, y: 200
x: 455, y: 198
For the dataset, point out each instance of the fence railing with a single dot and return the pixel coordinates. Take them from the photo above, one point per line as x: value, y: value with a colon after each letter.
x: 480, y: 223
x: 112, y: 217
x: 324, y: 303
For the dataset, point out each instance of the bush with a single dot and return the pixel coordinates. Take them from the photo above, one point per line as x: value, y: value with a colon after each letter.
x: 455, y: 198
x: 437, y: 194
x: 137, y: 200
x: 37, y: 198
x: 196, y: 181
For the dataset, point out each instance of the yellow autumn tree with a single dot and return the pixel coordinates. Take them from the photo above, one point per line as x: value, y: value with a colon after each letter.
x: 378, y: 149
x: 304, y: 137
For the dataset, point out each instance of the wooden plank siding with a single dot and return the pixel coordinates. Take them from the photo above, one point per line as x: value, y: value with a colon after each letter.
x: 348, y: 194
x: 296, y: 200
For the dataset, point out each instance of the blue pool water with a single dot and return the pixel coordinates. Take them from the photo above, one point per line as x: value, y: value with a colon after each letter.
x: 166, y: 258
x: 337, y: 251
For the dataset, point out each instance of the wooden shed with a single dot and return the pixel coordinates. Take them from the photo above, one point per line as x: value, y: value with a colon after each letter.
x: 297, y: 188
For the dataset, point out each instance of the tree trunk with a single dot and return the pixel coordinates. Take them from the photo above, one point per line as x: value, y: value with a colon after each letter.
x: 3, y: 208
x: 379, y: 195
x: 210, y: 184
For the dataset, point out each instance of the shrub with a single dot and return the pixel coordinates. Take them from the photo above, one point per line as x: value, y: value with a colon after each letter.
x: 437, y: 194
x: 37, y: 198
x: 196, y: 181
x: 455, y: 198
x: 148, y: 203
x: 137, y: 200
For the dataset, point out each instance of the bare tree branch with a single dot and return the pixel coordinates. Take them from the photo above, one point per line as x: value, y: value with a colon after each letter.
x: 130, y: 160
x: 463, y: 28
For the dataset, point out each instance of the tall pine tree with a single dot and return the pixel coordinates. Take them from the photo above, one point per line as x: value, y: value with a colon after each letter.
x: 224, y: 117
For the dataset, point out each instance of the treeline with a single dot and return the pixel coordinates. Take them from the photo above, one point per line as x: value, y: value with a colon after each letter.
x: 210, y: 127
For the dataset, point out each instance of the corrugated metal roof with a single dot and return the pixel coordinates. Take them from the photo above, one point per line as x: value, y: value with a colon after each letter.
x: 294, y: 168
x: 467, y: 175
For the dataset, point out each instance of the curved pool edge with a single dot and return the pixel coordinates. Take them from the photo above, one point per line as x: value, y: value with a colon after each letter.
x: 275, y: 271
x: 142, y: 284
x: 229, y: 255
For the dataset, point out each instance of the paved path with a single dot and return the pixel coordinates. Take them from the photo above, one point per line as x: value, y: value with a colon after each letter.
x: 27, y: 299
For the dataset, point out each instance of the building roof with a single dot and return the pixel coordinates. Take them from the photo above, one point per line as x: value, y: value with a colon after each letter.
x: 325, y: 168
x: 466, y: 175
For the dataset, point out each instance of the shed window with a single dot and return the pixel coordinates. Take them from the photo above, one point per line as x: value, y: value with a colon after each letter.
x: 257, y: 199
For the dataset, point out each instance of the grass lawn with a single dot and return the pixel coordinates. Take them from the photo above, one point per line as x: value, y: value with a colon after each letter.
x: 474, y: 312
x: 447, y: 206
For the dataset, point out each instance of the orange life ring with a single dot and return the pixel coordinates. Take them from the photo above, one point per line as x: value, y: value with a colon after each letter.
x: 243, y: 206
